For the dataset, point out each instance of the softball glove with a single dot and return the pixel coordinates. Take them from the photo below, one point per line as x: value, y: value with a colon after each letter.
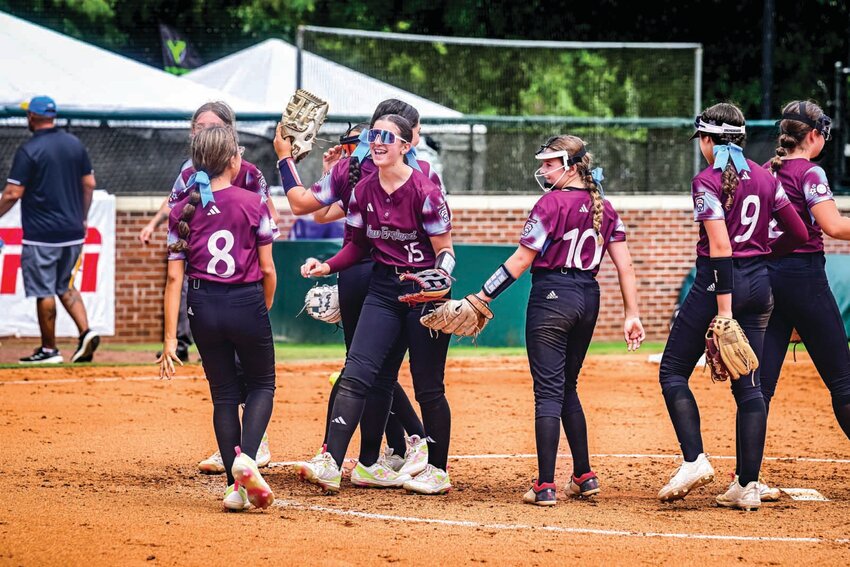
x: 464, y: 317
x: 301, y: 121
x: 322, y: 303
x: 727, y: 351
x: 433, y: 284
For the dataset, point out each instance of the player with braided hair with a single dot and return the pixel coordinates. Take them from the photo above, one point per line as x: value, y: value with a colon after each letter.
x: 407, y: 452
x: 803, y: 298
x: 563, y: 241
x: 220, y: 237
x: 734, y: 200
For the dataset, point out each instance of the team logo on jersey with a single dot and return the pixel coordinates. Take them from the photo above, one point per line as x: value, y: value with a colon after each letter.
x: 369, y: 208
x: 821, y: 189
x: 699, y: 202
x: 745, y: 175
x: 213, y: 211
x: 583, y: 209
x: 444, y: 213
x: 529, y: 226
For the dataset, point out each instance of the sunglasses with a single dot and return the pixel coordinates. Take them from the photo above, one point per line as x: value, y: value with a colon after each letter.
x: 383, y: 136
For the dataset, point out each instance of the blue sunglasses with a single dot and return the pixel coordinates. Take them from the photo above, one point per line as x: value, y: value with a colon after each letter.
x: 384, y: 136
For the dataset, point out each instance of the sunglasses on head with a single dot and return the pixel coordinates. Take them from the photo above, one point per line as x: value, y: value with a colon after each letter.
x: 383, y: 136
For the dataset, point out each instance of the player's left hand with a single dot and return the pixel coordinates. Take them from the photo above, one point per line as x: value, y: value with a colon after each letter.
x: 330, y: 158
x: 633, y: 333
x: 167, y: 359
x: 314, y: 268
x: 282, y: 145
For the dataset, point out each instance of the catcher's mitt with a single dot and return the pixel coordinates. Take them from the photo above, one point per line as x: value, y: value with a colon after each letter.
x: 727, y: 351
x: 322, y: 303
x: 465, y: 317
x: 301, y: 121
x: 433, y: 285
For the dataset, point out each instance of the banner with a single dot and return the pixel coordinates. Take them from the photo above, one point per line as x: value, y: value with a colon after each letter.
x: 95, y: 280
x: 177, y: 55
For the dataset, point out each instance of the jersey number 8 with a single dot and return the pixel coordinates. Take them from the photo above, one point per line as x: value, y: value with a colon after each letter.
x: 222, y: 254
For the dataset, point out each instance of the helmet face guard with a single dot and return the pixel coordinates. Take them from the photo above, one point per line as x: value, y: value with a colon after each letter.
x: 545, y: 153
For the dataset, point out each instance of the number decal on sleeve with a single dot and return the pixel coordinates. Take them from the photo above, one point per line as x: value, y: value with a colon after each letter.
x: 748, y: 218
x: 577, y: 245
x: 222, y: 254
x: 413, y: 253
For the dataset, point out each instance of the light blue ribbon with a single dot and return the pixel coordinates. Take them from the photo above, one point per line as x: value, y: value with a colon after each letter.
x: 411, y: 158
x: 203, y: 181
x: 722, y: 155
x: 597, y: 176
x: 362, y: 149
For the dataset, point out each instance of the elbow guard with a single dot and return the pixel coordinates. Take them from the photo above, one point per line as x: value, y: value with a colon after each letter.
x: 723, y: 275
x: 498, y: 282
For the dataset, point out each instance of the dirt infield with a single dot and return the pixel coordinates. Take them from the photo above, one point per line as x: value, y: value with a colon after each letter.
x: 100, y: 469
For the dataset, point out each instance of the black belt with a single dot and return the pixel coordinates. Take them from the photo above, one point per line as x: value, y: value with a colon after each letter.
x: 195, y: 283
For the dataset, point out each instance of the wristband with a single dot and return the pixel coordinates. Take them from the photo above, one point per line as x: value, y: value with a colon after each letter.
x: 723, y: 270
x: 288, y: 174
x: 498, y: 282
x: 445, y: 262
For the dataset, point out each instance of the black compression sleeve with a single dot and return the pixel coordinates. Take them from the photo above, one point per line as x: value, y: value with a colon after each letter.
x: 723, y: 270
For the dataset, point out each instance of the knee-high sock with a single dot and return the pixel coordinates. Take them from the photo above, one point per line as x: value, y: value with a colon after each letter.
x: 841, y: 407
x: 438, y: 426
x: 403, y: 420
x: 575, y: 426
x: 373, y: 422
x: 331, y: 400
x: 547, y: 433
x: 752, y: 425
x: 684, y: 414
x: 228, y: 434
x: 345, y: 416
x: 255, y: 420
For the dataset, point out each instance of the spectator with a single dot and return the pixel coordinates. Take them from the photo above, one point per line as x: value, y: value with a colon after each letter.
x: 308, y: 229
x: 53, y: 178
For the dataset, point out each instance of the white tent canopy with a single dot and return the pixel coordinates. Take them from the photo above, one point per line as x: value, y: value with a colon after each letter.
x: 265, y: 74
x: 78, y: 75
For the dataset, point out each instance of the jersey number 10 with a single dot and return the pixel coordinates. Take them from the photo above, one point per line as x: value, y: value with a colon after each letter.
x: 577, y: 245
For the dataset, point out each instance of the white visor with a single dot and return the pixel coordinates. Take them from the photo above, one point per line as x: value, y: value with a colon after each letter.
x: 553, y: 154
x: 722, y: 129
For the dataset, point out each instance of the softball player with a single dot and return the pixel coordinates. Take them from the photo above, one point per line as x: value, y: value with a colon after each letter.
x: 734, y: 200
x: 399, y: 215
x: 408, y: 454
x: 803, y: 299
x: 564, y: 238
x: 249, y: 177
x: 225, y: 245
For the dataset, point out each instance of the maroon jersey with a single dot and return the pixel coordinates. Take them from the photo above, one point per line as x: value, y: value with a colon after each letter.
x: 560, y: 229
x: 806, y: 185
x: 334, y: 187
x: 758, y: 196
x: 398, y: 226
x: 224, y: 236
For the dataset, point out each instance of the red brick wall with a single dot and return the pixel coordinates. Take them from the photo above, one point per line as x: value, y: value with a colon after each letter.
x: 662, y: 244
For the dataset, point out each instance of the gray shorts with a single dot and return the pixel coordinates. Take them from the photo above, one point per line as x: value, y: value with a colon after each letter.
x: 49, y: 270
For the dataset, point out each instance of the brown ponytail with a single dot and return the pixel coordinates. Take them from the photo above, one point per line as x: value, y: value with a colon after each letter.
x: 792, y: 132
x: 726, y: 113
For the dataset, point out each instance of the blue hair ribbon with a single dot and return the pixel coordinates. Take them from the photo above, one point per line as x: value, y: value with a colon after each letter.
x: 362, y: 149
x: 722, y: 155
x: 203, y: 181
x: 411, y: 158
x: 597, y: 176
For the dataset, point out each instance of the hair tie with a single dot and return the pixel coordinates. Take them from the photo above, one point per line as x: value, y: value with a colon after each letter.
x: 411, y: 158
x: 722, y: 155
x: 362, y: 149
x: 598, y: 178
x: 203, y: 181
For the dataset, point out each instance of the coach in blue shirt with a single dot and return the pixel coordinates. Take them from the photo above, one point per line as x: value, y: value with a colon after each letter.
x: 53, y: 179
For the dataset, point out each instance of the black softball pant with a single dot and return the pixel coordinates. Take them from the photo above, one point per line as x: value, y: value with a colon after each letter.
x: 752, y: 303
x: 562, y: 309
x: 805, y: 301
x: 230, y: 320
x: 384, y: 320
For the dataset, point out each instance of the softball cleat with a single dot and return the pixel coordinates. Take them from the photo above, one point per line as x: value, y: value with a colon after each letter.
x: 247, y: 474
x: 689, y: 477
x: 236, y: 498
x: 321, y: 470
x: 584, y: 486
x: 393, y: 460
x: 212, y: 465
x: 264, y: 455
x: 379, y: 475
x: 416, y: 455
x: 430, y: 481
x: 545, y: 494
x: 741, y: 497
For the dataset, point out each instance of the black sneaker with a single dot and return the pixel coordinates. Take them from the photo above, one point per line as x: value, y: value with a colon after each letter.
x: 43, y: 356
x: 89, y: 341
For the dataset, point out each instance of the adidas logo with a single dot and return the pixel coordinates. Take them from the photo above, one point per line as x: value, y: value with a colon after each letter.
x: 430, y: 440
x: 745, y: 175
x: 552, y: 295
x: 583, y: 209
x: 369, y: 208
x: 190, y: 312
x: 710, y: 287
x: 339, y: 421
x: 213, y: 211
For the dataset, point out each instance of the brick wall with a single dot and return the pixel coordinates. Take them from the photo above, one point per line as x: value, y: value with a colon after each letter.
x: 661, y: 233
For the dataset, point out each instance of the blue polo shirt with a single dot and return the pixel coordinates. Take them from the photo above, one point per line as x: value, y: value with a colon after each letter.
x: 50, y: 166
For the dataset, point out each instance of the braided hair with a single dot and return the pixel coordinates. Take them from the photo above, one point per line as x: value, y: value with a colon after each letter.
x: 387, y: 107
x: 726, y: 113
x: 573, y: 145
x: 212, y: 150
x: 792, y: 132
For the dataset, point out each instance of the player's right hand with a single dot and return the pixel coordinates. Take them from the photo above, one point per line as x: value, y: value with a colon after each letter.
x: 282, y: 146
x: 167, y: 359
x: 146, y: 233
x: 314, y: 268
x: 330, y: 158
